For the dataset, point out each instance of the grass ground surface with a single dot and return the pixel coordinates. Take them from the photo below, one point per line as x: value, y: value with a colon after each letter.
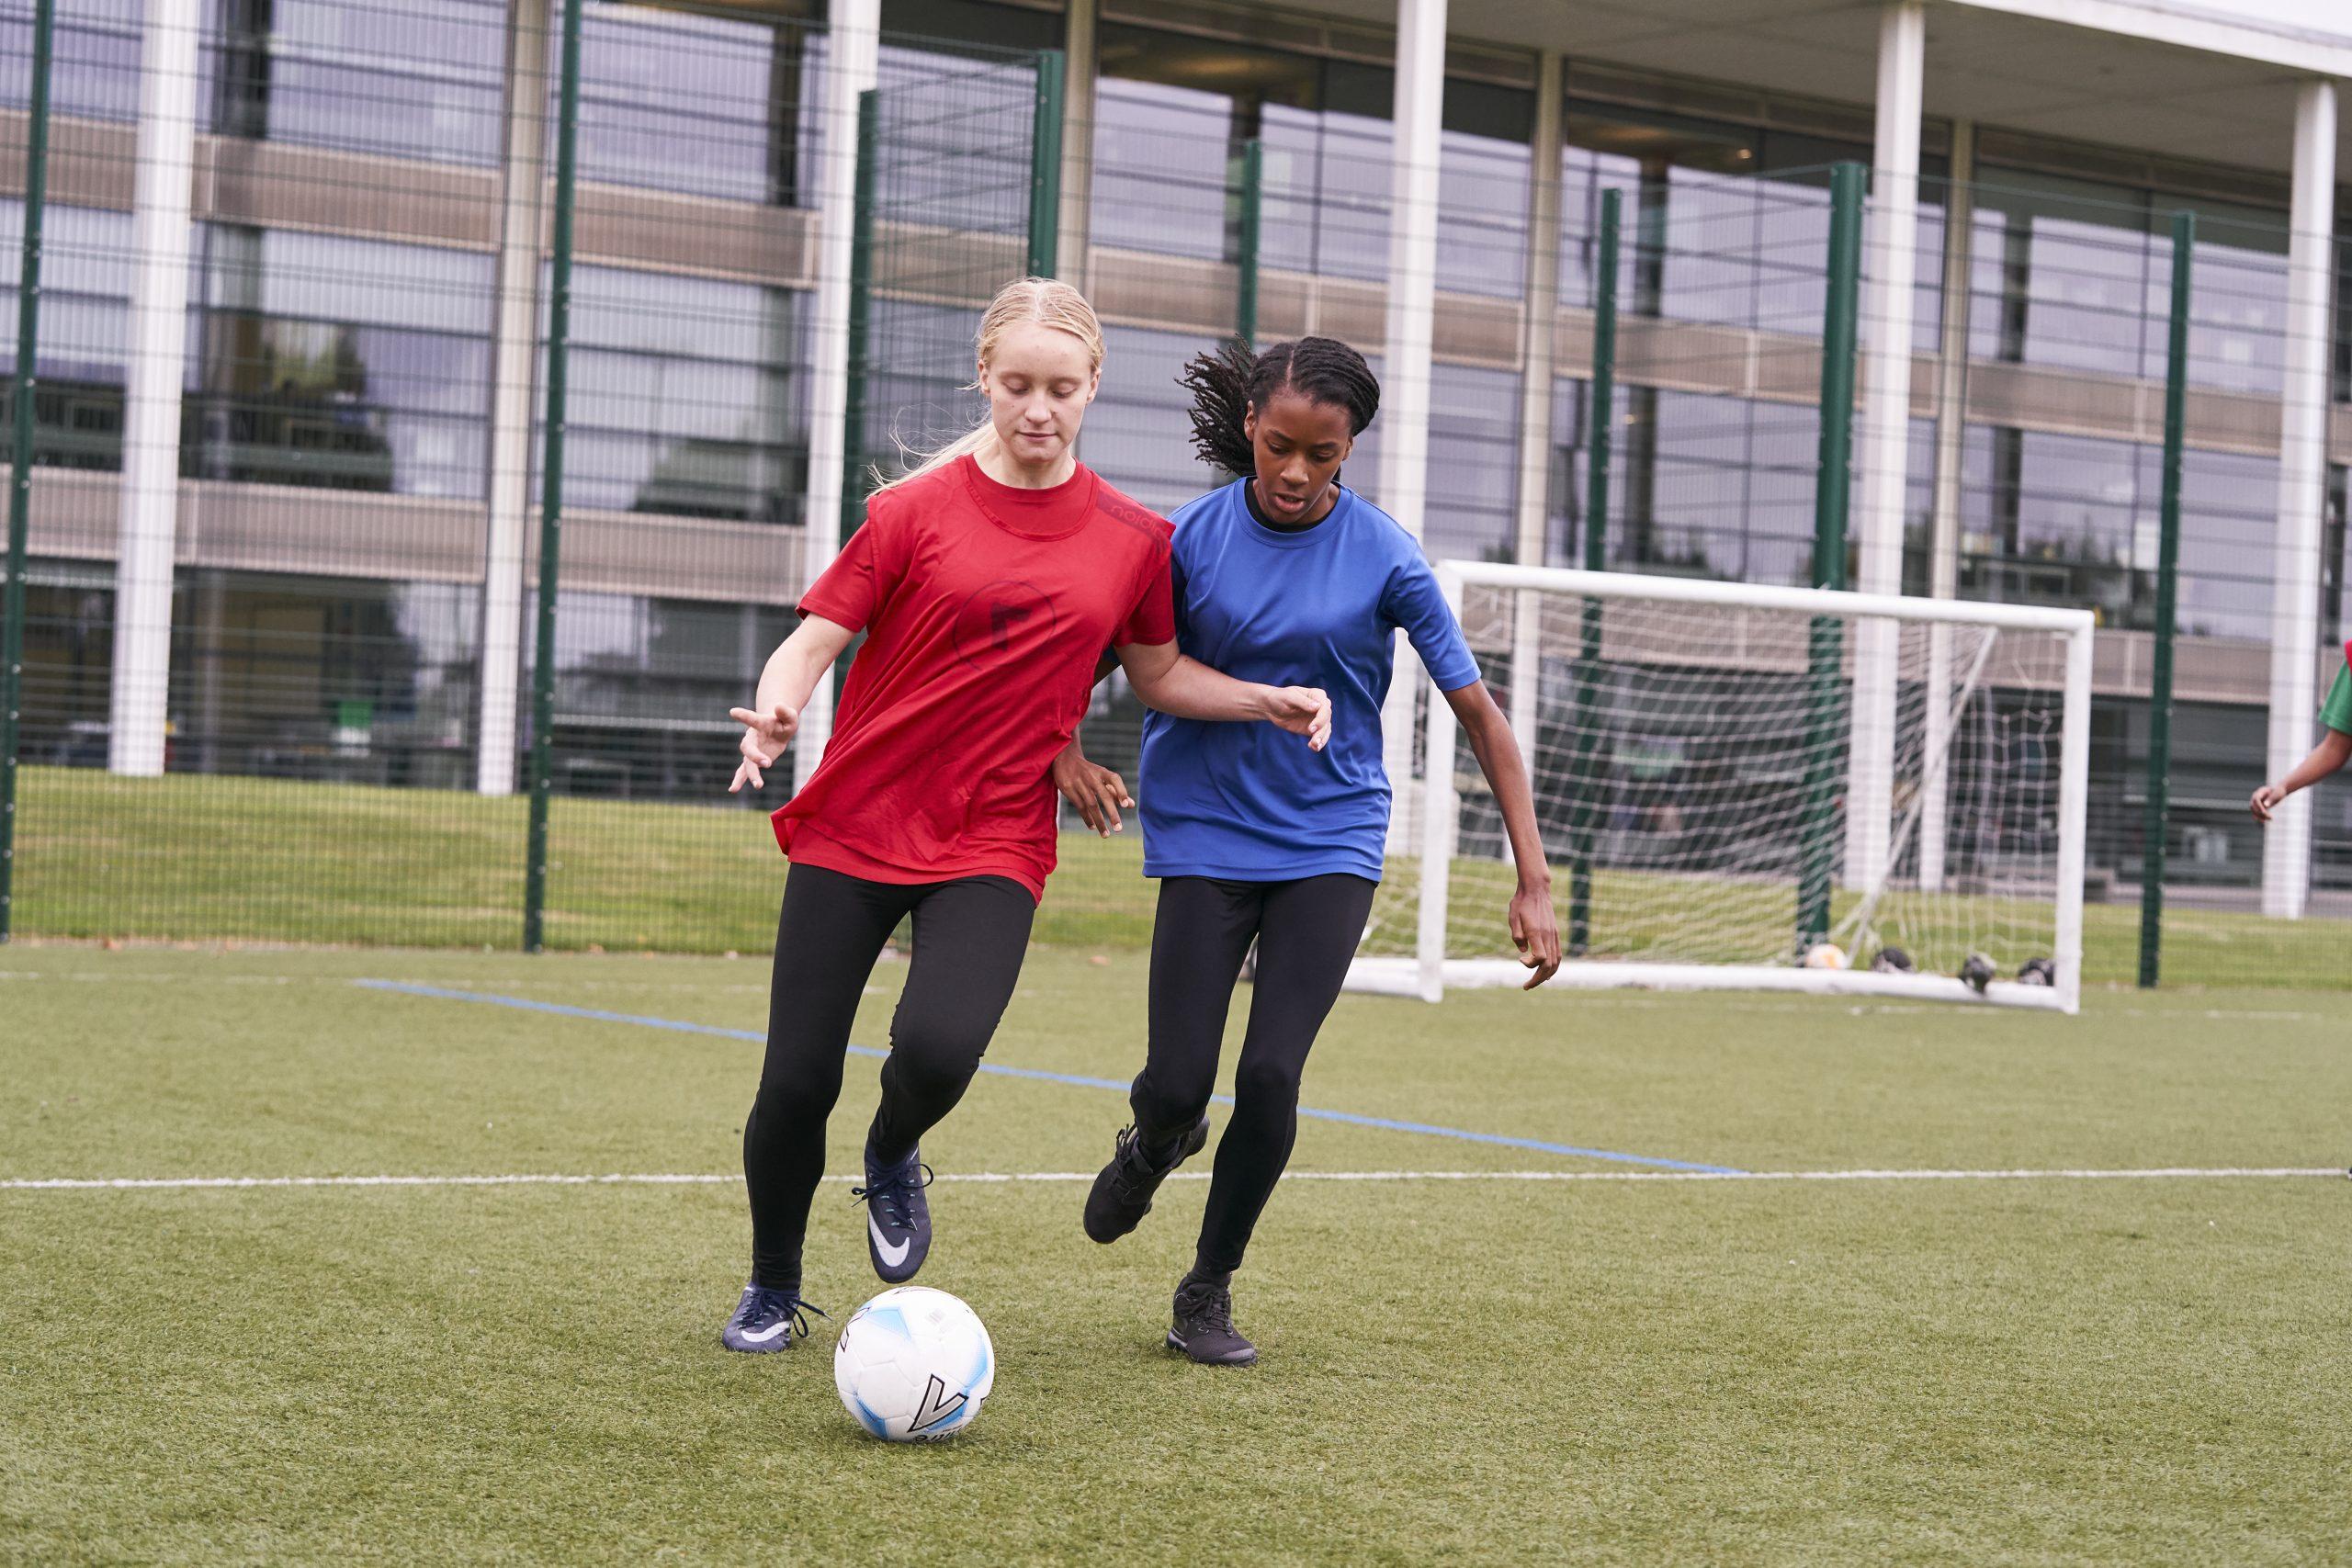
x: 2031, y: 1369
x: 193, y: 856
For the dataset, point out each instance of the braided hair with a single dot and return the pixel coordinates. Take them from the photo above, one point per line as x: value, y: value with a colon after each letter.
x: 1225, y: 385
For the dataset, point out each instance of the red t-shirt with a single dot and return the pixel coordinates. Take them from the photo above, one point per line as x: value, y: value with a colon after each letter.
x: 986, y: 609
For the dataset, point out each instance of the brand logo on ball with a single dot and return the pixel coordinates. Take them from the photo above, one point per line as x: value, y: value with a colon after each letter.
x: 996, y: 617
x: 937, y: 1405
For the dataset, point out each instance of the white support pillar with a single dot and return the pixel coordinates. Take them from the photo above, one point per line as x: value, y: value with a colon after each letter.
x: 2302, y: 481
x: 1537, y: 367
x: 1943, y: 548
x: 1890, y: 265
x: 1405, y: 354
x: 515, y: 361
x: 853, y: 54
x: 151, y: 422
x: 1080, y: 18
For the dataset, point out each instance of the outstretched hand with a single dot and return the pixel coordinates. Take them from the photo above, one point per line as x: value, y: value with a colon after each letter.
x: 1302, y: 710
x: 764, y: 737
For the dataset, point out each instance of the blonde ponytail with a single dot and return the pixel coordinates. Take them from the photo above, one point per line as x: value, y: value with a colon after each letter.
x: 1043, y: 301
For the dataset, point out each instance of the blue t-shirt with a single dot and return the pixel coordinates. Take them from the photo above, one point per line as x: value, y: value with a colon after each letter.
x: 1319, y: 606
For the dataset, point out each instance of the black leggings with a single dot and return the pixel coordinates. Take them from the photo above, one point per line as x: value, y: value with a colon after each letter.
x: 1307, y: 932
x: 970, y: 938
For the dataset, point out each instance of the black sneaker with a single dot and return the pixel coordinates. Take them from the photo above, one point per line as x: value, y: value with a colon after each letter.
x: 1203, y: 1327
x: 898, y: 1216
x: 1122, y: 1192
x: 767, y: 1321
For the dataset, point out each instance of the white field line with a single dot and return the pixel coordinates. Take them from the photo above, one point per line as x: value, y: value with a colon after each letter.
x: 152, y: 1183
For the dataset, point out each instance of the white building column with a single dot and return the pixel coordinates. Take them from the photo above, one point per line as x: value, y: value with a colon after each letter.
x: 2302, y: 478
x: 853, y: 54
x: 1538, y: 317
x: 1080, y: 54
x: 1890, y: 265
x: 514, y: 375
x: 151, y: 420
x: 1405, y: 352
x: 1943, y: 547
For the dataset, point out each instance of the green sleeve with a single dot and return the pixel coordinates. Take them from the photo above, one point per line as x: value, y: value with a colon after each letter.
x: 2336, y: 712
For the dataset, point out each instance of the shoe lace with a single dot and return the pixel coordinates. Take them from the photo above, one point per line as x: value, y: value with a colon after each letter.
x: 776, y: 1306
x: 1131, y: 1168
x: 888, y: 1197
x: 1212, y: 1308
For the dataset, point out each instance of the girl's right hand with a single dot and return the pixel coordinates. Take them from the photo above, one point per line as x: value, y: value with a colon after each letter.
x: 1302, y: 710
x: 764, y: 737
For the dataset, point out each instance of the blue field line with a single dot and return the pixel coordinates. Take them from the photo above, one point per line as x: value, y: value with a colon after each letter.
x: 681, y: 1026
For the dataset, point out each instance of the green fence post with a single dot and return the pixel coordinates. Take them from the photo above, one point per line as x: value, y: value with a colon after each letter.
x: 535, y: 880
x: 2152, y: 870
x: 20, y: 471
x: 861, y: 317
x: 1252, y: 187
x: 1600, y: 427
x: 1046, y: 167
x: 1826, y: 644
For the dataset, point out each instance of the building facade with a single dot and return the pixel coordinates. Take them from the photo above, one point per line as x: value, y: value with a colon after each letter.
x: 296, y: 296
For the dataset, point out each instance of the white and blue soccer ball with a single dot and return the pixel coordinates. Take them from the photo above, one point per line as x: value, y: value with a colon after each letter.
x: 914, y: 1363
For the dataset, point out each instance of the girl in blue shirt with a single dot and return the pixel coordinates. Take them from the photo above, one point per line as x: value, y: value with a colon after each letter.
x: 1287, y: 576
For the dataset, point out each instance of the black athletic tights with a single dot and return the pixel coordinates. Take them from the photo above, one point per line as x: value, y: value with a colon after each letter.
x: 1307, y: 932
x: 968, y: 940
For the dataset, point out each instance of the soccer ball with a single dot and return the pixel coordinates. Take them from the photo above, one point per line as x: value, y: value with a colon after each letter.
x: 1892, y: 961
x: 2037, y: 972
x: 1824, y: 956
x: 1977, y: 973
x: 913, y: 1364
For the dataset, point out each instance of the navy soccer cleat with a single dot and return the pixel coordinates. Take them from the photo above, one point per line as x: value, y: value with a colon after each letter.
x: 767, y: 1320
x: 1122, y: 1192
x: 1204, y: 1329
x: 898, y: 1216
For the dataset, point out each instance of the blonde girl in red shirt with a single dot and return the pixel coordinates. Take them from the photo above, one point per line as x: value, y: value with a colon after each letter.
x: 988, y: 580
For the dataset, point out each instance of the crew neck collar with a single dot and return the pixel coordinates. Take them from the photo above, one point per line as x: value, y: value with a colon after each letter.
x: 1291, y: 539
x: 1053, y: 513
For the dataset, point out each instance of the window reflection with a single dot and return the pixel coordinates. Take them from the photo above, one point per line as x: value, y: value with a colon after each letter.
x: 1173, y: 111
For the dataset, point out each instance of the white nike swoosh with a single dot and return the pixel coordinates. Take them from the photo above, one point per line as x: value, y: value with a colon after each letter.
x: 891, y: 1256
x: 764, y: 1335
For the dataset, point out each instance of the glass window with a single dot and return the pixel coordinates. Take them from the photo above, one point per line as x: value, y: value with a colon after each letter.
x: 405, y: 78
x: 85, y: 339
x: 339, y: 363
x: 705, y: 105
x: 1172, y: 113
x: 687, y: 397
x: 94, y: 52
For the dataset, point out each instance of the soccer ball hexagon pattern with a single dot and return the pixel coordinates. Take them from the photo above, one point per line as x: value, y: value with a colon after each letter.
x: 913, y: 1364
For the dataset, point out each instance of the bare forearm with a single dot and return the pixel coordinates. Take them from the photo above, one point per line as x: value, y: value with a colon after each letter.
x: 2327, y: 757
x: 793, y: 671
x: 1188, y: 689
x: 1498, y: 752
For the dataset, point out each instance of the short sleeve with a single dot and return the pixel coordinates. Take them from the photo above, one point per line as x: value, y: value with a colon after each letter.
x: 2336, y: 712
x: 1152, y: 621
x: 1414, y: 602
x: 853, y: 590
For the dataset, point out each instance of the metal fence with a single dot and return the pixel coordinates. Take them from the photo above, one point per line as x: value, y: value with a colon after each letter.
x: 294, y: 663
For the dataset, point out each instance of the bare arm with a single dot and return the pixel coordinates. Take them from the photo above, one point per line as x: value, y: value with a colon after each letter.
x: 1186, y: 688
x: 791, y: 674
x: 2334, y: 750
x: 1533, y: 925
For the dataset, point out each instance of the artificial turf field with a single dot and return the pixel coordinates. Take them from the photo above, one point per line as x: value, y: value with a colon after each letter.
x: 1644, y: 1363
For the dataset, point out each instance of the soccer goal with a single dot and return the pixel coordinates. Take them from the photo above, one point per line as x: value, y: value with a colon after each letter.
x: 1747, y: 788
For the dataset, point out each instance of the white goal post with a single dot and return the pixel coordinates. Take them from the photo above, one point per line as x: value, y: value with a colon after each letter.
x: 1694, y: 759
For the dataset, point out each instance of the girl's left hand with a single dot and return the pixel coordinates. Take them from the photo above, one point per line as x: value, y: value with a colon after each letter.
x: 1537, y: 932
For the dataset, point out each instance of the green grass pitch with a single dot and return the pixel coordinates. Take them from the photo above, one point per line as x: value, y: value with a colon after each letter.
x: 2034, y: 1369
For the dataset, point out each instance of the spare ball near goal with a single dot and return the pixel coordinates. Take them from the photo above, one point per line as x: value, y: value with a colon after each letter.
x: 1824, y: 956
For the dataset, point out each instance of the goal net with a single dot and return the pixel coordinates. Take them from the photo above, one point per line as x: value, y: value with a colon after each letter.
x: 1754, y: 787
